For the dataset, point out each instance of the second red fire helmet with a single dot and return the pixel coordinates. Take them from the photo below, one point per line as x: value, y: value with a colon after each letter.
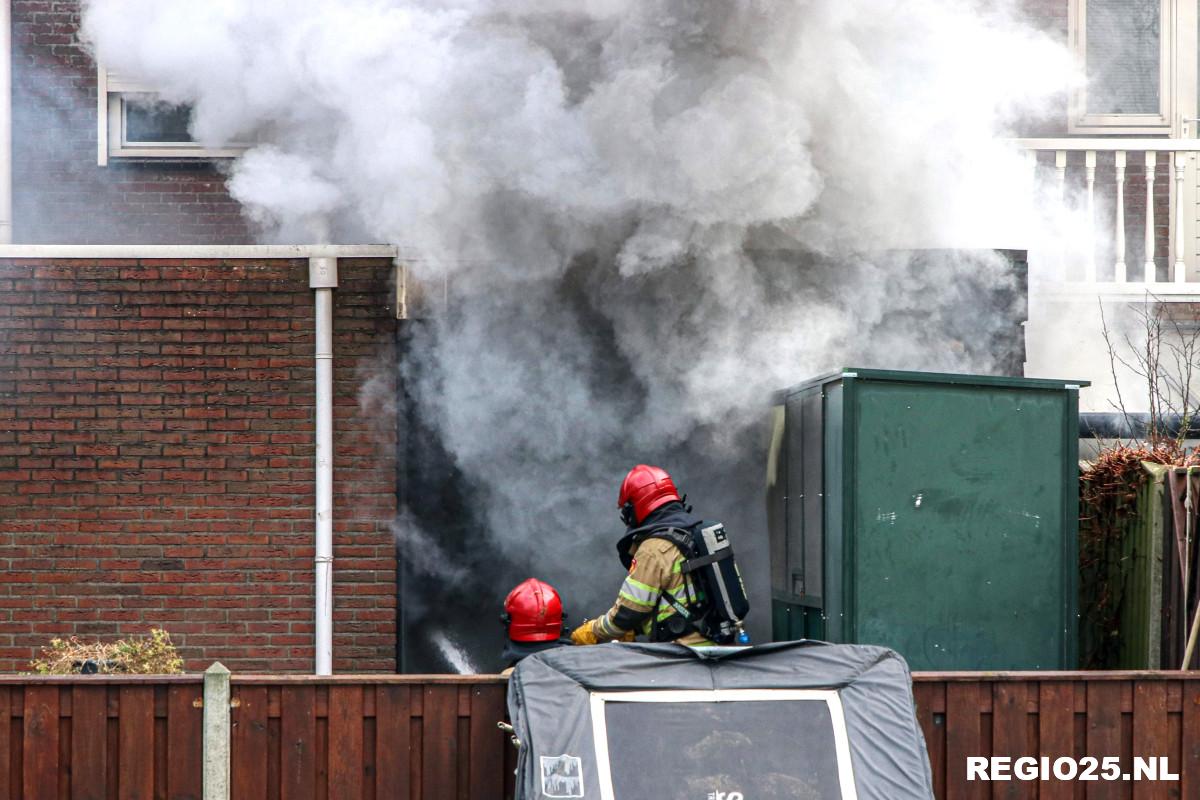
x: 533, y: 611
x: 644, y: 489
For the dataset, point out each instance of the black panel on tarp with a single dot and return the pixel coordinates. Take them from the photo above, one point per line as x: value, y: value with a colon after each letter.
x: 769, y: 750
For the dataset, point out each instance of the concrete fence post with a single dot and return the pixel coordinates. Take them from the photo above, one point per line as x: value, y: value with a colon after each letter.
x: 216, y: 732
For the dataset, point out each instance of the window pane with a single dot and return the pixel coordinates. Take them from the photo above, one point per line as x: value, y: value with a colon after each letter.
x: 765, y: 750
x: 1123, y: 56
x: 147, y: 122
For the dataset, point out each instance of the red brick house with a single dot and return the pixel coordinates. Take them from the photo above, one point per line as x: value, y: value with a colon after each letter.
x: 157, y: 376
x: 157, y: 389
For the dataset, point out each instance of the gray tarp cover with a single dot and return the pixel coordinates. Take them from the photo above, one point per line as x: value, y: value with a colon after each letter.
x: 707, y: 750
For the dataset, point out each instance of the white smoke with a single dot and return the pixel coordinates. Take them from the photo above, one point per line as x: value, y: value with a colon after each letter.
x: 609, y: 185
x: 517, y: 133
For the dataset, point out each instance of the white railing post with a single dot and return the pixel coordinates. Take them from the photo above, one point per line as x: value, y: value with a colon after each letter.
x: 1031, y: 167
x: 1090, y: 165
x: 1060, y: 164
x: 1060, y: 167
x: 1120, y: 276
x: 1149, y: 270
x: 1177, y: 253
x: 1180, y: 163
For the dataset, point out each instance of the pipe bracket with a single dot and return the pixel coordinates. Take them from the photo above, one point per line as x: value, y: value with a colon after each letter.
x: 322, y: 272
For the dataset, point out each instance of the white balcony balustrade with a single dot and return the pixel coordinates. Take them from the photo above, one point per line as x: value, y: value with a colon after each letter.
x: 1121, y: 162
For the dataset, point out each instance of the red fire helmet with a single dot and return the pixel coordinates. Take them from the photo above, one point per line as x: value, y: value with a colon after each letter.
x: 533, y: 611
x: 646, y: 488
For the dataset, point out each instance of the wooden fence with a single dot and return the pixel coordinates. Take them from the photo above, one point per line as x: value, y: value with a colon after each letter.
x: 435, y: 737
x: 94, y: 738
x: 427, y: 737
x: 292, y: 737
x: 1076, y: 714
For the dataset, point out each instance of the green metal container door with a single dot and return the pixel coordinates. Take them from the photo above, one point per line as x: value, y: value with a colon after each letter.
x: 947, y: 522
x: 958, y: 513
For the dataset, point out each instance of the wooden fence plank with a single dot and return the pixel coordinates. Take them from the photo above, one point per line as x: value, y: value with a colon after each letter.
x: 248, y: 744
x: 1104, y: 733
x: 185, y: 741
x: 486, y: 769
x: 1010, y: 736
x: 40, y: 742
x: 930, y: 699
x: 346, y: 742
x: 297, y: 743
x: 1151, y: 736
x: 963, y: 740
x: 439, y: 763
x: 89, y: 742
x: 6, y: 771
x: 1189, y: 771
x: 393, y: 747
x: 136, y: 758
x: 1056, y: 734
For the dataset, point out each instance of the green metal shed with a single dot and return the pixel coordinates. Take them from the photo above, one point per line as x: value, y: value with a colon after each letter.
x: 935, y: 514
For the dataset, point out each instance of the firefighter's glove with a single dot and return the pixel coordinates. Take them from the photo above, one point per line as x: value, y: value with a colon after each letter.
x: 584, y: 634
x: 628, y: 637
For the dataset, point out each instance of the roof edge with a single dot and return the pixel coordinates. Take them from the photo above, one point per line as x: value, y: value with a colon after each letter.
x: 945, y: 378
x: 197, y: 251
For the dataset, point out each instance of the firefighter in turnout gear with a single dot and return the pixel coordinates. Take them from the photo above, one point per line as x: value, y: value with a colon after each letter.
x: 658, y: 599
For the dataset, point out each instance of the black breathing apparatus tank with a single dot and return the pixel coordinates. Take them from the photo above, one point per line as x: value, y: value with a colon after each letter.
x: 718, y: 570
x: 710, y: 565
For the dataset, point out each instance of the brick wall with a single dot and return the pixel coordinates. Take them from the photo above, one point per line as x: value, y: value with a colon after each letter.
x: 156, y: 459
x: 60, y: 195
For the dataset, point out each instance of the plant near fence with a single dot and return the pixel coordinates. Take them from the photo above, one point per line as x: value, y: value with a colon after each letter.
x: 1109, y: 491
x: 153, y: 654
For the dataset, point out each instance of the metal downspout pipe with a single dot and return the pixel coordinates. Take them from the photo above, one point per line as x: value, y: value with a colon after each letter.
x: 322, y: 279
x: 6, y: 159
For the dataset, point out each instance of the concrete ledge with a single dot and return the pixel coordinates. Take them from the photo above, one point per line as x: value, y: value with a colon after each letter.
x: 1166, y: 292
x: 179, y: 251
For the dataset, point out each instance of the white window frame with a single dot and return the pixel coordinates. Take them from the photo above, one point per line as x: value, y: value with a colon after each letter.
x: 1080, y: 121
x: 111, y: 90
x: 841, y: 740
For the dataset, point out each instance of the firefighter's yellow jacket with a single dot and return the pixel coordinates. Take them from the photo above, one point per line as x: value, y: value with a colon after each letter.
x: 657, y: 565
